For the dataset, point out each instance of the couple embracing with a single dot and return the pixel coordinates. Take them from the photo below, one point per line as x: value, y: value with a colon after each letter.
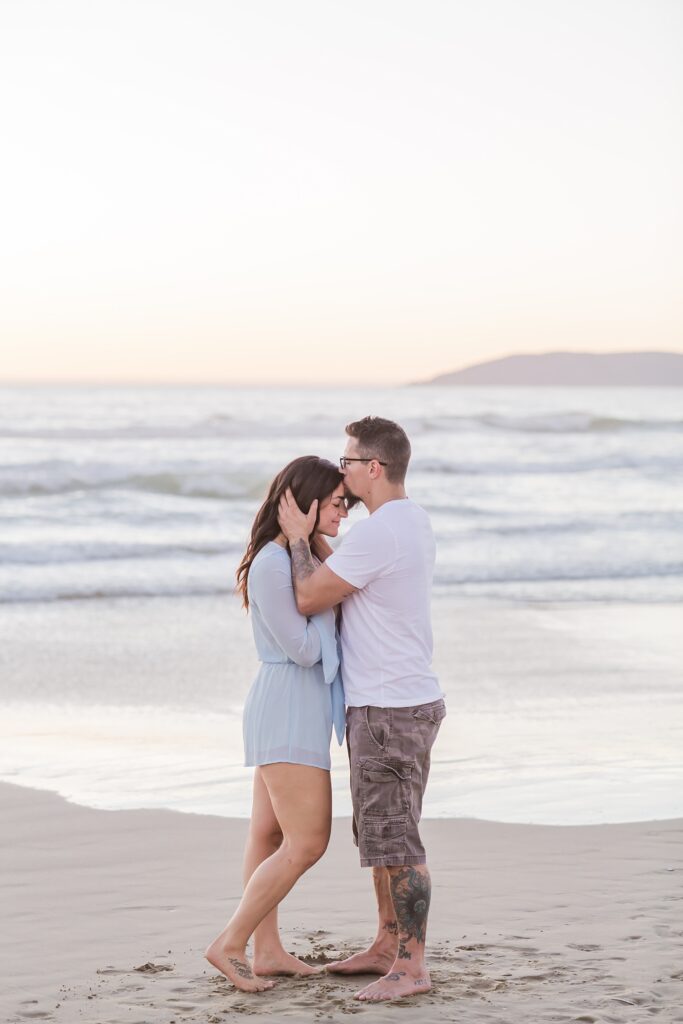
x: 333, y: 628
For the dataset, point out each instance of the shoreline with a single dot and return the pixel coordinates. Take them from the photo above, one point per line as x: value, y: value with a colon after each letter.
x: 672, y: 819
x: 542, y: 922
x: 461, y: 594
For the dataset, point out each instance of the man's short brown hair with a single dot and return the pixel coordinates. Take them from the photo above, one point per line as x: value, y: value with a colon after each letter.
x: 383, y: 440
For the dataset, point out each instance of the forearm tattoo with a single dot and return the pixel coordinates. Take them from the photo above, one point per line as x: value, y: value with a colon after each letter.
x: 411, y: 894
x: 303, y: 565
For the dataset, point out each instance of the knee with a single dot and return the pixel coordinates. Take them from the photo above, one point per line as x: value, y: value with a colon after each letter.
x: 305, y: 852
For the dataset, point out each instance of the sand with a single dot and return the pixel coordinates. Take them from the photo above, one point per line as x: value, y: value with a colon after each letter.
x: 106, y: 914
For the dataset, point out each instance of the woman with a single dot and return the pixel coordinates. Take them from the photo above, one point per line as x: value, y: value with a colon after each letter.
x: 288, y: 717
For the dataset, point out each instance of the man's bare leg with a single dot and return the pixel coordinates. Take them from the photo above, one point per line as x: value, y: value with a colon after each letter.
x: 408, y: 975
x: 381, y: 954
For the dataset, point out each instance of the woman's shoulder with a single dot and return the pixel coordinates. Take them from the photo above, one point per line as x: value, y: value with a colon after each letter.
x: 271, y: 558
x: 271, y: 549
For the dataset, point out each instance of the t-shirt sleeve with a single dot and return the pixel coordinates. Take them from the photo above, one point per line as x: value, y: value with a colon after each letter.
x: 366, y: 552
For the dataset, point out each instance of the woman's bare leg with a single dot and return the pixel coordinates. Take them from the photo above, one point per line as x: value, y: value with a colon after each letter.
x: 301, y: 799
x: 264, y: 838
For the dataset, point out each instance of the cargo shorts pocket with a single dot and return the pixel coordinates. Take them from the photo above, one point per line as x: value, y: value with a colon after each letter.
x: 433, y: 713
x: 384, y: 837
x: 384, y: 786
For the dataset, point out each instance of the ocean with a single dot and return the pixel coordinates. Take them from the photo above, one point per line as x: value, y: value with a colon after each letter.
x: 558, y: 591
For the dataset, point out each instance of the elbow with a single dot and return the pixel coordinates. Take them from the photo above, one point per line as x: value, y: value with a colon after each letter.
x: 305, y: 605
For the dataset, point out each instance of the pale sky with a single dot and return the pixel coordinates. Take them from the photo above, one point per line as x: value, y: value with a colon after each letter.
x: 366, y: 191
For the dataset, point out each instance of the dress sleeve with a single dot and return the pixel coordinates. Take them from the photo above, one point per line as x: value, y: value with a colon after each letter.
x: 272, y: 591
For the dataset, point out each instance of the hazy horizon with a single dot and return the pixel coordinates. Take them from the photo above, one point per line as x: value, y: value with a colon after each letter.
x: 312, y: 384
x: 282, y: 194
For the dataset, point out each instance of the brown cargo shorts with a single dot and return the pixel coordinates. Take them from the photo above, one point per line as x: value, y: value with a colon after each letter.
x: 389, y: 752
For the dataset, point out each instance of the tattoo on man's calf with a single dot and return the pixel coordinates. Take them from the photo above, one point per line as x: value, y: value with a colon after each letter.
x: 411, y: 893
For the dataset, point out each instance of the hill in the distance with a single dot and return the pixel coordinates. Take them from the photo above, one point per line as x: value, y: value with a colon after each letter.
x: 573, y: 369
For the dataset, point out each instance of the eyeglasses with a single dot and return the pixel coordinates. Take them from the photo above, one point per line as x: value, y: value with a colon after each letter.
x: 344, y: 460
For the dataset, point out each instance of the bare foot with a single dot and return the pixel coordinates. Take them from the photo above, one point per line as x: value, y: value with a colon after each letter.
x: 234, y: 965
x: 396, y: 985
x: 281, y: 962
x: 370, y: 961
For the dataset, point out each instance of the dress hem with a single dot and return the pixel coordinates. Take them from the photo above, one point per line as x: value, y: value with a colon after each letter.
x: 285, y: 760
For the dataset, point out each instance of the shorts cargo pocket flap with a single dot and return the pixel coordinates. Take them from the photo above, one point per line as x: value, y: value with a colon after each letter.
x: 432, y: 713
x: 385, y: 828
x: 387, y: 771
x: 375, y: 776
x: 384, y: 788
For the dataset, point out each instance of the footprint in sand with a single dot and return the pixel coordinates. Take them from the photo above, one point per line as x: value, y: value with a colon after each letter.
x: 483, y: 984
x: 150, y: 968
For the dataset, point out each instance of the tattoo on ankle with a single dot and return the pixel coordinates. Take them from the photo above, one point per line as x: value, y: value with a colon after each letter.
x: 420, y: 981
x: 395, y: 976
x: 391, y: 927
x: 244, y: 970
x: 403, y: 953
x: 411, y: 893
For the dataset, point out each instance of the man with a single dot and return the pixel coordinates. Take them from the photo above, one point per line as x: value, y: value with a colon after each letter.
x: 383, y: 573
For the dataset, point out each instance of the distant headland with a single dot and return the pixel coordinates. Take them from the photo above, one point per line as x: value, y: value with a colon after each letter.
x: 571, y: 369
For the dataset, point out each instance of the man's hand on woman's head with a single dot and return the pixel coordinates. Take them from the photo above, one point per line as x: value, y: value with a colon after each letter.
x: 295, y: 524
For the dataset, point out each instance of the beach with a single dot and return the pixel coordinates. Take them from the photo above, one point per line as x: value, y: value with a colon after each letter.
x: 106, y: 915
x: 553, y: 815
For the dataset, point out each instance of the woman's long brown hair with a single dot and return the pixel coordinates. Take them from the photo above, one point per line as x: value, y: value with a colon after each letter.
x: 309, y: 478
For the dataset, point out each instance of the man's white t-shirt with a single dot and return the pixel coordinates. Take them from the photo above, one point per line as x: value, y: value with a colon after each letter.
x: 386, y: 631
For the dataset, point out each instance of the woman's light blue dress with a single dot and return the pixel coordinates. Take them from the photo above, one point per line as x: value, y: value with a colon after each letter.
x: 297, y: 695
